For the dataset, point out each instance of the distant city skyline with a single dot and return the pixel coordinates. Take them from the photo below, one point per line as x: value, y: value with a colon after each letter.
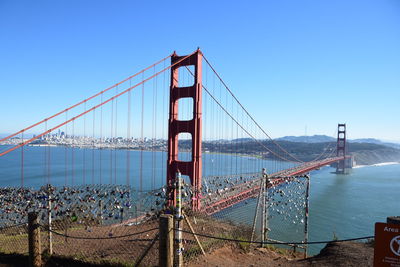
x: 146, y: 138
x: 293, y: 65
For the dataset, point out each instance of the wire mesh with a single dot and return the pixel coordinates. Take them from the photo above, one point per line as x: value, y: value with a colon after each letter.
x: 199, y: 226
x: 287, y: 215
x: 14, y: 239
x: 126, y: 243
x: 96, y: 224
x: 280, y: 211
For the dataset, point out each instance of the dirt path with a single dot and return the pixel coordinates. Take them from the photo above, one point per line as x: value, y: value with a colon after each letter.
x: 333, y: 255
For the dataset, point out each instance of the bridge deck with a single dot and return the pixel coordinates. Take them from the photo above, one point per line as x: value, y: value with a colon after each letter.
x: 250, y: 189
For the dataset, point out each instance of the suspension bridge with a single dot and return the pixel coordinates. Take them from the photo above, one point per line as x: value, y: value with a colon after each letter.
x: 116, y: 155
x: 202, y: 111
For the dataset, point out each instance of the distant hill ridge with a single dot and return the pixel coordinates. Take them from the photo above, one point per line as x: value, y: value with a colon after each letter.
x: 325, y: 138
x: 307, y: 139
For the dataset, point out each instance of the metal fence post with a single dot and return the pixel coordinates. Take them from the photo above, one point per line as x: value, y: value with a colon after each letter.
x: 122, y: 214
x: 178, y: 222
x: 166, y: 246
x: 266, y: 225
x: 306, y: 216
x: 35, y: 257
x: 50, y: 234
x: 264, y: 216
x: 257, y: 209
x: 101, y: 212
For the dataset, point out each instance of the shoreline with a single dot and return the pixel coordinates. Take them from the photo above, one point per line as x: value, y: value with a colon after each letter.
x: 243, y: 155
x: 377, y: 164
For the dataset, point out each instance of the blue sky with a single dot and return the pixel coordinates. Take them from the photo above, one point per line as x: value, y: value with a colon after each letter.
x: 293, y: 64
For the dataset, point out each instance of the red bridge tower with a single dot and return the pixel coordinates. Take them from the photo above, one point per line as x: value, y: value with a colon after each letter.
x: 194, y: 127
x: 341, y: 148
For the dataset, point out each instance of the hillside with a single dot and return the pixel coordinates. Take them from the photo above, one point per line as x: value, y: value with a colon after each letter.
x: 325, y: 138
x: 364, y: 153
x: 307, y: 139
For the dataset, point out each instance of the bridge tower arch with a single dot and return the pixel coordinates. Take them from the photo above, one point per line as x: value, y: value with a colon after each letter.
x: 341, y: 148
x: 192, y: 168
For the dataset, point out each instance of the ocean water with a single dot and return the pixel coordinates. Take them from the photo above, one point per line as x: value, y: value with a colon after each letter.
x: 347, y: 206
x: 74, y: 166
x: 341, y: 206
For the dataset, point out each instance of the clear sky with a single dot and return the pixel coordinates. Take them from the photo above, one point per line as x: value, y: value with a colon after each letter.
x: 293, y: 64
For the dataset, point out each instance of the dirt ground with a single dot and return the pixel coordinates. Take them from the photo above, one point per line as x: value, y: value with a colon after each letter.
x: 333, y: 255
x: 91, y: 249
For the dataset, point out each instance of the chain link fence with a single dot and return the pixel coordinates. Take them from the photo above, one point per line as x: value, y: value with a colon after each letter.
x: 112, y: 225
x: 14, y: 239
x: 203, y: 234
x: 276, y: 215
x: 123, y: 243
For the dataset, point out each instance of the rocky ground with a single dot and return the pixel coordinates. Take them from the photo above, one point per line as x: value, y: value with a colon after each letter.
x: 334, y: 254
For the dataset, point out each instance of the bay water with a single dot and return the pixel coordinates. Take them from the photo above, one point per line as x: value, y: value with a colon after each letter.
x: 341, y: 206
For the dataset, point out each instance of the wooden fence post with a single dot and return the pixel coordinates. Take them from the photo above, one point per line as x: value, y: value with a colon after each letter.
x: 35, y: 253
x: 166, y: 246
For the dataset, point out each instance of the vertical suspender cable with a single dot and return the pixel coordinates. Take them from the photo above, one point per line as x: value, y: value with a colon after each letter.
x: 112, y: 140
x: 66, y: 150
x: 73, y: 152
x: 156, y: 156
x: 142, y: 141
x: 22, y: 160
x: 152, y: 135
x: 93, y: 144
x: 101, y: 144
x: 116, y: 135
x: 128, y: 139
x: 84, y: 147
x: 48, y: 159
x: 164, y: 121
x: 45, y: 155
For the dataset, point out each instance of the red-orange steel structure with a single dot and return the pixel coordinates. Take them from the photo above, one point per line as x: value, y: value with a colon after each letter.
x: 191, y: 168
x: 341, y: 148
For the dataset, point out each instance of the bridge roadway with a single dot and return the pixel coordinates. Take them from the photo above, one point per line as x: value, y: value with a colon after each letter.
x: 223, y: 199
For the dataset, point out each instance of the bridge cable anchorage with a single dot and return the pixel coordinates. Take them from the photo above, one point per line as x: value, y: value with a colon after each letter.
x: 248, y: 114
x: 83, y: 101
x: 93, y: 108
x: 241, y: 126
